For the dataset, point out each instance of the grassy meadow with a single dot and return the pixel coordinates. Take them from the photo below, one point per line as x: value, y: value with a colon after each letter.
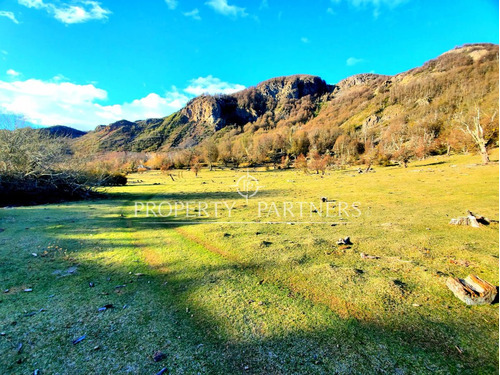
x: 256, y: 294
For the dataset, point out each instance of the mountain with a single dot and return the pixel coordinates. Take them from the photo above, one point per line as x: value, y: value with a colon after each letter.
x: 62, y: 131
x: 429, y: 97
x: 205, y: 115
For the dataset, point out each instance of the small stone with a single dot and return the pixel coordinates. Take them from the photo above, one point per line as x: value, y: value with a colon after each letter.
x: 159, y: 356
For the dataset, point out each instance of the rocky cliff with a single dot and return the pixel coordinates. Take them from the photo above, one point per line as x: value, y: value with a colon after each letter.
x: 429, y: 93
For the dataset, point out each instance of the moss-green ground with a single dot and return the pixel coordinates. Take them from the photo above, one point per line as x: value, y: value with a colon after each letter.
x: 255, y: 297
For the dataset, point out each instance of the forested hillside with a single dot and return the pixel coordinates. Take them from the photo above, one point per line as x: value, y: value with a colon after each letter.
x: 367, y: 117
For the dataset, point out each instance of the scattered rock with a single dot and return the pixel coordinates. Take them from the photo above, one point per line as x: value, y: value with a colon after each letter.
x: 79, y: 339
x: 70, y: 271
x: 120, y: 286
x: 366, y: 256
x: 227, y: 235
x: 344, y: 241
x: 105, y: 307
x: 460, y: 262
x: 472, y: 290
x: 34, y: 312
x: 91, y: 285
x: 139, y: 274
x: 265, y: 243
x: 471, y: 219
x: 162, y: 371
x: 6, y: 291
x: 19, y: 348
x: 159, y: 356
x: 28, y: 290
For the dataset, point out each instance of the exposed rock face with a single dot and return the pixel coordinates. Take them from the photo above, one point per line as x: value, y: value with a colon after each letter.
x: 204, y: 109
x: 361, y: 101
x: 371, y: 121
x: 249, y: 104
x: 293, y: 87
x: 358, y: 79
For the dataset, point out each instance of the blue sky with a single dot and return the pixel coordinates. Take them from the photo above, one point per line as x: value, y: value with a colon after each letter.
x: 83, y: 63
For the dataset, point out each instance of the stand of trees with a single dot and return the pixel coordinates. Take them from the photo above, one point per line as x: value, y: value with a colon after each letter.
x: 37, y: 168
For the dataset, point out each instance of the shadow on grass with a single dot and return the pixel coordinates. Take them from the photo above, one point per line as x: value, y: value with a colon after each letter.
x: 181, y: 305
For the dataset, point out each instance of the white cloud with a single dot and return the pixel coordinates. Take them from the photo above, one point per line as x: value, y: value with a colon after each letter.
x: 13, y: 73
x: 351, y: 61
x: 304, y: 40
x: 77, y: 12
x: 211, y: 85
x: 37, y: 4
x: 171, y: 4
x: 9, y: 15
x: 222, y: 7
x: 194, y: 14
x: 331, y: 11
x: 375, y: 4
x: 57, y: 102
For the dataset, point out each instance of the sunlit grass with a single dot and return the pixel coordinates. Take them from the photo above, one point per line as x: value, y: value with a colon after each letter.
x: 256, y: 297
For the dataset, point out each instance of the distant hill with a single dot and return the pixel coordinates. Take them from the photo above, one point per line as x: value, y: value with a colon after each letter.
x: 360, y: 107
x: 62, y: 131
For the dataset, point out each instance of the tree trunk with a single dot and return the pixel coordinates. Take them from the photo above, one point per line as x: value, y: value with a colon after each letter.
x: 472, y: 290
x: 484, y: 153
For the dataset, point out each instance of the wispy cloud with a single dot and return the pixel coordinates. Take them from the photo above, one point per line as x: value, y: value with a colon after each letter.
x: 9, y: 15
x: 13, y: 73
x: 264, y: 4
x: 351, y: 61
x: 304, y: 40
x: 77, y: 12
x: 331, y: 11
x: 84, y: 106
x: 376, y: 5
x: 194, y: 14
x: 171, y: 4
x: 211, y: 85
x: 222, y: 7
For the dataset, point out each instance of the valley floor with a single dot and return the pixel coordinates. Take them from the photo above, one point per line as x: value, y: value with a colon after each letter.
x: 259, y: 291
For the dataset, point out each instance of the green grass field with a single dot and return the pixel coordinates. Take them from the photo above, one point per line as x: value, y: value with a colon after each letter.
x: 241, y: 295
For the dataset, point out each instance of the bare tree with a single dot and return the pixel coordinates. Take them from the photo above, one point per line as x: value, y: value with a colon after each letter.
x: 210, y: 153
x: 473, y: 127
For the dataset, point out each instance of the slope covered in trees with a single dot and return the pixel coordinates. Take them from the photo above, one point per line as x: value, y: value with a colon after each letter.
x: 367, y: 117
